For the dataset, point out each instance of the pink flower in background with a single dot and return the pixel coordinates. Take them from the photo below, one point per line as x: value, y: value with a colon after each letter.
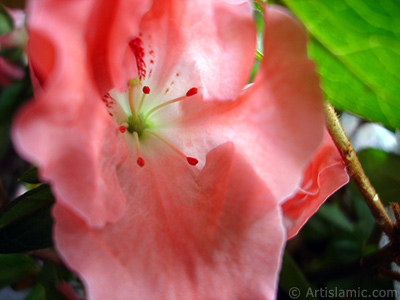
x: 16, y: 38
x: 168, y: 173
x: 9, y: 72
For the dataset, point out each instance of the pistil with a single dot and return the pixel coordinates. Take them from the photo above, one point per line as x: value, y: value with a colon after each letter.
x: 132, y: 101
x: 140, y: 160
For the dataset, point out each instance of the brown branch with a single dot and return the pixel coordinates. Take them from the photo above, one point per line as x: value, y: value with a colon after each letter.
x: 356, y: 172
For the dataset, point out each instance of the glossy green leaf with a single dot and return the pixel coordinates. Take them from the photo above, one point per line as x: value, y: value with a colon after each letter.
x: 383, y: 170
x: 26, y: 224
x: 356, y: 45
x: 16, y: 267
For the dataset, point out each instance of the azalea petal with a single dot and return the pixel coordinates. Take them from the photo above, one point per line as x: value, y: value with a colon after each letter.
x: 224, y: 49
x: 52, y: 45
x: 41, y: 54
x: 216, y: 234
x: 170, y: 44
x: 79, y: 163
x: 324, y: 175
x: 277, y: 123
x: 66, y: 130
x: 113, y: 24
x: 285, y: 106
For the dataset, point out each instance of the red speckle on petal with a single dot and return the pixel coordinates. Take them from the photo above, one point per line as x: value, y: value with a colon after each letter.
x: 111, y: 114
x: 177, y: 74
x: 192, y: 161
x: 137, y: 49
x: 122, y: 129
x: 191, y: 92
x: 140, y: 162
x: 151, y: 52
x: 166, y: 91
x: 146, y: 90
x: 152, y: 61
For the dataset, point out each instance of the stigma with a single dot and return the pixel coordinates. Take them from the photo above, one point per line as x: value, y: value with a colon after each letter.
x: 134, y: 112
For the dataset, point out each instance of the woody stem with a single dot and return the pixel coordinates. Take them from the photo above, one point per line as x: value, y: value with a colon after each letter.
x: 356, y: 172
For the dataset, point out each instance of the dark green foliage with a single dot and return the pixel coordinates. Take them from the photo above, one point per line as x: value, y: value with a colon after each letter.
x: 26, y: 223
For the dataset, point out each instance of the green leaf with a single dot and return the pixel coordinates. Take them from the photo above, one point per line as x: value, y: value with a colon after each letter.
x: 356, y: 46
x: 6, y: 22
x: 292, y: 280
x: 30, y: 176
x: 383, y: 170
x: 16, y: 267
x: 26, y: 223
x: 335, y: 217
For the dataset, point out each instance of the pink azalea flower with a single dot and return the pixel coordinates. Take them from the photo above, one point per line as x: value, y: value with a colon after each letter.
x: 168, y: 173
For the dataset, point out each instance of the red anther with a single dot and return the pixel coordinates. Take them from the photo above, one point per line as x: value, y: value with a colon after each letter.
x: 122, y: 128
x: 146, y: 90
x: 192, y: 161
x: 191, y: 92
x: 140, y: 162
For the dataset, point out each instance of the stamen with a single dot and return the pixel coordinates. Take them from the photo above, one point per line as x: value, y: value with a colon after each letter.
x: 124, y: 126
x: 191, y: 92
x: 140, y: 160
x: 146, y: 91
x: 191, y: 160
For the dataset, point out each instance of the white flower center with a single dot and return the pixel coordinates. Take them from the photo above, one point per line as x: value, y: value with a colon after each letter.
x: 135, y: 119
